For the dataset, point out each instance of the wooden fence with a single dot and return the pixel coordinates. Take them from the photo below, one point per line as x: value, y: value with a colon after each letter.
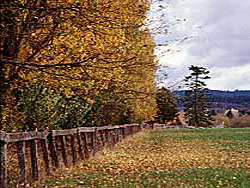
x: 59, y: 148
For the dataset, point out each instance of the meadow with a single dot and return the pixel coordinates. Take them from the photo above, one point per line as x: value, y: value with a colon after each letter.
x: 166, y: 158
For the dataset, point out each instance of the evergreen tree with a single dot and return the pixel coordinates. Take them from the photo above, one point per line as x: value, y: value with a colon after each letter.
x: 196, y: 106
x: 166, y: 105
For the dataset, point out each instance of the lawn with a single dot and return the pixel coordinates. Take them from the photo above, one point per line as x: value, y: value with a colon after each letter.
x: 166, y: 158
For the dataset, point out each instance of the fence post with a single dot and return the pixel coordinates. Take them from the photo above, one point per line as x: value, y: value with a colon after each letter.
x: 106, y: 135
x: 34, y: 160
x: 120, y: 135
x: 73, y: 149
x: 80, y: 145
x: 113, y: 138
x: 64, y: 150
x: 116, y: 135
x: 123, y: 132
x: 94, y: 142
x: 20, y: 146
x: 126, y: 131
x: 3, y: 164
x: 45, y: 150
x: 54, y: 152
x: 97, y: 140
x: 110, y: 139
x: 131, y: 130
x: 102, y: 138
x: 85, y: 143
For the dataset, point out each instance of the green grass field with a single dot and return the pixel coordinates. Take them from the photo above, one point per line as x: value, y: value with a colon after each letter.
x: 166, y: 158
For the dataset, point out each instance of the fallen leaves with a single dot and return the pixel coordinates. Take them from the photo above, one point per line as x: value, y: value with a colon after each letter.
x: 160, y: 159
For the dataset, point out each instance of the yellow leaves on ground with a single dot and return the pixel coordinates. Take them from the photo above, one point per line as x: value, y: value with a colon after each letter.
x: 166, y: 158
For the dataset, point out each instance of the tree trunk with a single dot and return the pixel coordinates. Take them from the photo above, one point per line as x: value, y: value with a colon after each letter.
x: 8, y: 49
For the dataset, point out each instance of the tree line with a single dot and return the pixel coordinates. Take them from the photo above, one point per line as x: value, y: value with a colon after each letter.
x: 70, y: 63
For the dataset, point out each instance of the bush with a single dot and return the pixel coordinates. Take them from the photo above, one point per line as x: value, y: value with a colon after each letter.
x: 39, y: 107
x: 236, y: 122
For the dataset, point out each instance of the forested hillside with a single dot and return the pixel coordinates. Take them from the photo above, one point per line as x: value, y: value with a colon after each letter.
x: 70, y: 63
x: 224, y: 99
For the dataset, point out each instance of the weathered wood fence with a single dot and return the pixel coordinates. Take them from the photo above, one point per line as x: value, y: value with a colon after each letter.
x: 59, y: 148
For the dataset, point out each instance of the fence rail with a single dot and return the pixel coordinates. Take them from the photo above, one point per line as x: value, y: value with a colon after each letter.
x: 58, y: 148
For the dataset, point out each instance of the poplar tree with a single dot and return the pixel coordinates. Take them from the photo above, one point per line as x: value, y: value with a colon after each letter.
x: 196, y: 104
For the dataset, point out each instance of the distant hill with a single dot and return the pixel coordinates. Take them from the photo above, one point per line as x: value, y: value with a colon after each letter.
x: 222, y: 100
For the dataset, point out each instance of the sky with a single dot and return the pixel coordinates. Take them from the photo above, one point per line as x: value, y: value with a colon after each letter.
x: 214, y: 34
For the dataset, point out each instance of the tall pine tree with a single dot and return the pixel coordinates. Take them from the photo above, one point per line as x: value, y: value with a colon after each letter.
x: 196, y: 105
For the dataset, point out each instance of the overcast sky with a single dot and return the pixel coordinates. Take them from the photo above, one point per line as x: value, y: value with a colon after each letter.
x: 214, y: 34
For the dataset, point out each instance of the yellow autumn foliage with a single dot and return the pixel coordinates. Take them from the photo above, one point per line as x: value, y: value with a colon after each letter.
x: 82, y: 47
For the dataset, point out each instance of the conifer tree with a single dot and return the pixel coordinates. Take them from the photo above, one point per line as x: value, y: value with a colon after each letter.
x: 196, y: 105
x: 166, y: 106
